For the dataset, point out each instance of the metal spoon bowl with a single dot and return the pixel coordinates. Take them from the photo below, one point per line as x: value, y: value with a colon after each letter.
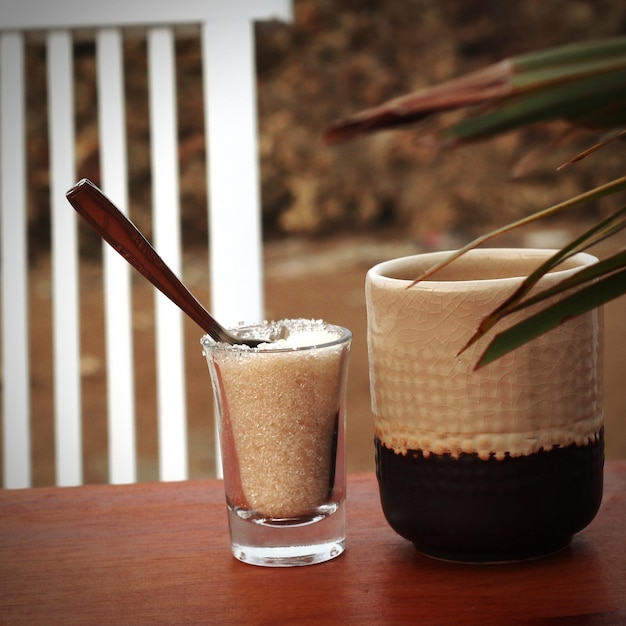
x: 124, y: 237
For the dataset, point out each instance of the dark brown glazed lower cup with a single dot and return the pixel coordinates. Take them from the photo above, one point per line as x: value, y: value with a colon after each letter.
x: 473, y: 510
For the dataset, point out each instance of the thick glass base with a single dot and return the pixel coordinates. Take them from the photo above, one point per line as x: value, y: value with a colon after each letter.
x: 289, y: 556
x: 287, y: 542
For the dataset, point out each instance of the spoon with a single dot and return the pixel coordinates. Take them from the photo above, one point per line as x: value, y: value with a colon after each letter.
x: 126, y: 239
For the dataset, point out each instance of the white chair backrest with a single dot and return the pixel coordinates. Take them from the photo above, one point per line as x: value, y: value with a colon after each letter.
x: 236, y: 292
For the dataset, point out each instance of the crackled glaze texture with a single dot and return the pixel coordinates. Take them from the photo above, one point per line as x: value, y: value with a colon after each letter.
x: 425, y: 397
x: 500, y: 464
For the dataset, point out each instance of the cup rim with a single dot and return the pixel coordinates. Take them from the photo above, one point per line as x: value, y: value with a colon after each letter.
x: 380, y: 272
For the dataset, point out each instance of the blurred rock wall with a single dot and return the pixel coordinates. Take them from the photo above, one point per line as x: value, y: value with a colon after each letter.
x: 337, y: 58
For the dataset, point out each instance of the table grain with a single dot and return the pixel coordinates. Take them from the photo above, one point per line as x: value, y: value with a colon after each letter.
x: 158, y: 553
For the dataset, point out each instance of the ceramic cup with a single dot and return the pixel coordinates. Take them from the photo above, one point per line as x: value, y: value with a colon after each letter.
x: 498, y: 464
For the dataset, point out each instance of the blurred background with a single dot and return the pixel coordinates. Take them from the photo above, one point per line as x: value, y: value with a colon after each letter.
x: 329, y: 213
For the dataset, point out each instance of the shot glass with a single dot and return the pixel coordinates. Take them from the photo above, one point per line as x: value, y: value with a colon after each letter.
x: 281, y: 417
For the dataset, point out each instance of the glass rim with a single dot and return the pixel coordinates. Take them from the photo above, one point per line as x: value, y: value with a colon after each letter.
x: 208, y: 342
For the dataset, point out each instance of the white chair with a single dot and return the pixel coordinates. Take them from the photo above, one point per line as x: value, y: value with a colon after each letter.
x: 226, y: 29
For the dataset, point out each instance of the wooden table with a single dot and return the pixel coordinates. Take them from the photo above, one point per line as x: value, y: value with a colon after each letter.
x: 159, y: 554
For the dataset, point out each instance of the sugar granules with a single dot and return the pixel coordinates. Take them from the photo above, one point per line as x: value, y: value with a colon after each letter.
x: 283, y: 409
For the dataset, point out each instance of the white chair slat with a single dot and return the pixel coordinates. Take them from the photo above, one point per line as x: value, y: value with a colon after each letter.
x: 117, y: 280
x: 65, y: 313
x: 232, y: 162
x: 171, y: 398
x: 15, y: 344
x: 235, y: 255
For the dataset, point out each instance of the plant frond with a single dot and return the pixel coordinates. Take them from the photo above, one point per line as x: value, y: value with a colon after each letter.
x: 599, y: 293
x: 572, y: 82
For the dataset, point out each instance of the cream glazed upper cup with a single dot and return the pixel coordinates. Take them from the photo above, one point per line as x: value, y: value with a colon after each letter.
x: 436, y: 415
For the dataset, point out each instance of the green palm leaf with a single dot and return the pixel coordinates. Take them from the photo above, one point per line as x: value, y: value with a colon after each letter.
x: 606, y: 228
x: 589, y: 273
x: 583, y: 83
x: 585, y: 300
x: 598, y: 192
x: 577, y: 100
